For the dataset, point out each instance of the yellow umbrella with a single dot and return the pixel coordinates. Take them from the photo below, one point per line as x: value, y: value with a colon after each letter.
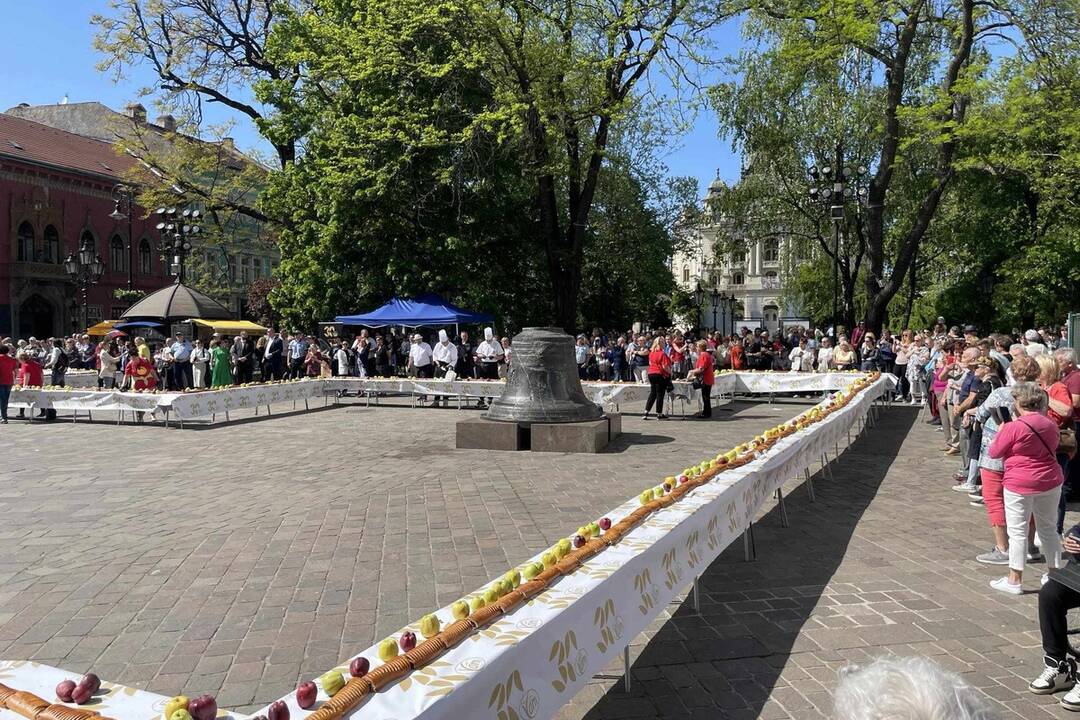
x: 102, y: 328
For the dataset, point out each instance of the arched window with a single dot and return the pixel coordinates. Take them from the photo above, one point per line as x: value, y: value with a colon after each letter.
x: 26, y: 242
x: 738, y: 279
x: 771, y: 251
x: 146, y: 265
x: 772, y: 280
x: 52, y: 244
x: 87, y: 238
x: 738, y: 257
x: 117, y: 258
x: 686, y: 273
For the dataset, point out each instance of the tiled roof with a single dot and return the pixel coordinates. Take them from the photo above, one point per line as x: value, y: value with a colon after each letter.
x: 40, y: 144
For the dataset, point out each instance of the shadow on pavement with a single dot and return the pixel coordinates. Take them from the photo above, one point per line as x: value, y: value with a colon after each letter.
x: 726, y: 662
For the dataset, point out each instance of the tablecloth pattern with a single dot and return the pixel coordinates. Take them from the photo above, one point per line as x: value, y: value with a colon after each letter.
x: 534, y: 659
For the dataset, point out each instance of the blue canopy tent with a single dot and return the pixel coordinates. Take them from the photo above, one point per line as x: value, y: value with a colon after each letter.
x: 428, y: 309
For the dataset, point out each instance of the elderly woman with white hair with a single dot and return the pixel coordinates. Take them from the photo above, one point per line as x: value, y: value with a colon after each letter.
x: 1032, y: 481
x: 906, y: 688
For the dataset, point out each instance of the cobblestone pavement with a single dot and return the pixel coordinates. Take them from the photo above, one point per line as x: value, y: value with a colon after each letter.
x: 881, y: 563
x: 237, y: 559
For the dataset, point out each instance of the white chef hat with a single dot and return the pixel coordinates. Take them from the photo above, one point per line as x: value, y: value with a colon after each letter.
x: 443, y: 338
x: 488, y: 334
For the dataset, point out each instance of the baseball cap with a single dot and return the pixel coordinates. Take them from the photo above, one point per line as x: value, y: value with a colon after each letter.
x: 1032, y: 336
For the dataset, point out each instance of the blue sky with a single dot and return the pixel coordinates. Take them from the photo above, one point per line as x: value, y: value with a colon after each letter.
x: 50, y: 55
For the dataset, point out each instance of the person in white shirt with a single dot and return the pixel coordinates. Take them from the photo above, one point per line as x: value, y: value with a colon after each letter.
x: 420, y: 358
x: 444, y: 354
x: 801, y: 357
x: 824, y: 355
x: 341, y: 357
x: 1033, y: 343
x: 488, y: 355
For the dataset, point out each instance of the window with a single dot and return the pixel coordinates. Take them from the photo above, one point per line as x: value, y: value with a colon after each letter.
x: 772, y: 280
x: 115, y: 312
x: 116, y: 254
x: 738, y: 279
x: 771, y: 251
x: 26, y: 242
x: 232, y: 268
x: 686, y: 273
x: 267, y: 271
x: 738, y: 257
x: 52, y: 244
x: 245, y: 269
x: 146, y: 263
x: 87, y: 238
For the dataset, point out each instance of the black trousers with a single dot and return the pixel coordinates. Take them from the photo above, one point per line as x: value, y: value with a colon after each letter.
x: 243, y: 372
x: 706, y: 401
x: 1055, y: 600
x: 657, y: 387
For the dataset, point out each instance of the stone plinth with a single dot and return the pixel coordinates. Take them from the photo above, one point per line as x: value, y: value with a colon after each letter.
x: 590, y: 436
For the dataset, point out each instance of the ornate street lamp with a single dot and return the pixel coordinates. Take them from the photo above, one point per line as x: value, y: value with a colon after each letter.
x: 699, y: 301
x: 715, y: 296
x: 835, y: 185
x: 176, y: 227
x: 123, y: 208
x: 85, y: 268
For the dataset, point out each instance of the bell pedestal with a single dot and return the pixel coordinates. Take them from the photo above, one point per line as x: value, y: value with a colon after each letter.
x: 587, y: 436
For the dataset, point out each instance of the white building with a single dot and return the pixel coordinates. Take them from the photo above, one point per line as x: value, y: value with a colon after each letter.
x: 754, y: 275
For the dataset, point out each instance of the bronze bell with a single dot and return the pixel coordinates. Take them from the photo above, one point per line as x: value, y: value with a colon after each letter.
x: 543, y: 384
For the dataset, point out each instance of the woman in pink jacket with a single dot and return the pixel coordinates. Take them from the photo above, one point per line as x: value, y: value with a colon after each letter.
x: 1032, y: 480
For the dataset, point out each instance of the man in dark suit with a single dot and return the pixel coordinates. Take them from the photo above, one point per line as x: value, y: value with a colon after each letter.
x: 272, y: 356
x: 243, y: 352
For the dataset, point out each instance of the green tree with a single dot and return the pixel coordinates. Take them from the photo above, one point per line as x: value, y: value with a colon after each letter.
x: 894, y: 79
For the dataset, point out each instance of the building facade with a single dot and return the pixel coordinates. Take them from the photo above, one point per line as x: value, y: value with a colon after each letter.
x: 56, y: 192
x: 231, y: 260
x: 752, y: 272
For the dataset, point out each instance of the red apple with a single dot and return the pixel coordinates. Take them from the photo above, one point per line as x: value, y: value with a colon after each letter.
x: 359, y: 667
x: 278, y: 710
x: 305, y: 694
x: 203, y: 707
x: 683, y: 479
x: 92, y: 681
x: 407, y: 641
x: 605, y: 524
x: 81, y: 694
x: 578, y: 541
x: 64, y: 690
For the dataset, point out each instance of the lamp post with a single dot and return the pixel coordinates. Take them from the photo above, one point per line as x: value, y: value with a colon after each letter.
x: 715, y: 298
x: 699, y: 301
x: 123, y: 202
x: 835, y: 185
x: 730, y: 302
x: 85, y: 268
x: 176, y: 227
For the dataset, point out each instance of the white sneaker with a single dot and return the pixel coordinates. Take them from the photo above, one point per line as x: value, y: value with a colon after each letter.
x: 1002, y: 584
x: 1045, y: 579
x: 1054, y: 677
x: 1071, y: 699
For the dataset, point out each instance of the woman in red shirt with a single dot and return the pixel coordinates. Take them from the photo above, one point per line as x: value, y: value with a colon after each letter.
x: 659, y: 377
x: 704, y: 371
x: 738, y: 355
x: 30, y: 372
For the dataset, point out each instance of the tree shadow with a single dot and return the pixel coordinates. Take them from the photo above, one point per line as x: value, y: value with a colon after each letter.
x: 726, y: 661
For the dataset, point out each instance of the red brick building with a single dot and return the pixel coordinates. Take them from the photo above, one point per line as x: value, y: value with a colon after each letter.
x: 56, y: 189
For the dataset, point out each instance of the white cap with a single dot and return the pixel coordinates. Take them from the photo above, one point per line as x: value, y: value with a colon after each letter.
x: 443, y: 338
x: 1032, y: 336
x: 488, y: 334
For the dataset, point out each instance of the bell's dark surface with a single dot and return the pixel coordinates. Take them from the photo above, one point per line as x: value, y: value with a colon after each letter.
x: 543, y: 384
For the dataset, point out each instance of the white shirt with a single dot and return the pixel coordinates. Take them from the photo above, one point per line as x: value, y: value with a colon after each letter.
x: 1033, y: 349
x: 342, y: 359
x: 445, y: 353
x: 489, y: 350
x: 420, y: 354
x: 824, y: 355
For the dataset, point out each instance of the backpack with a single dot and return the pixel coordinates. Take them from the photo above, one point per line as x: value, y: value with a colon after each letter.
x: 61, y: 364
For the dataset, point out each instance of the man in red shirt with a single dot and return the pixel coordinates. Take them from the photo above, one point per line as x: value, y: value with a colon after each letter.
x: 7, y: 379
x: 30, y: 371
x: 1070, y: 376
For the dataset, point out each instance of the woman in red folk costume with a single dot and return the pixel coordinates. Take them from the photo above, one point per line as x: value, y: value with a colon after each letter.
x: 139, y: 374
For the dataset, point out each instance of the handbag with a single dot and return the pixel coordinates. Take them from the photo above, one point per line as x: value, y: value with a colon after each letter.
x: 1067, y: 441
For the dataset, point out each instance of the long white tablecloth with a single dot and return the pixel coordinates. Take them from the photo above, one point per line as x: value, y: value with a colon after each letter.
x: 537, y: 657
x: 113, y: 701
x: 209, y: 403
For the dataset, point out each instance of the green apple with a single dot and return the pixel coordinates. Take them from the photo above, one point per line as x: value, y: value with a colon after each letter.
x: 531, y: 571
x: 388, y: 649
x: 332, y: 682
x: 514, y: 576
x: 549, y: 558
x: 594, y: 529
x: 492, y: 594
x: 477, y: 602
x: 429, y: 625
x: 563, y: 548
x: 460, y: 610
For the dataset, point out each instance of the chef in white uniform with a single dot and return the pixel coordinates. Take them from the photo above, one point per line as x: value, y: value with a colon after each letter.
x: 445, y: 356
x: 488, y: 356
